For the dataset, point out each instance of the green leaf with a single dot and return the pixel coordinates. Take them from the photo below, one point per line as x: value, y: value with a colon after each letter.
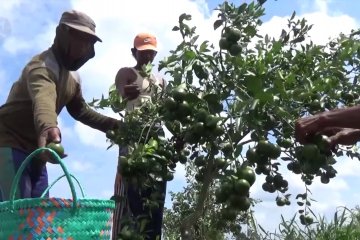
x: 250, y: 31
x: 184, y: 16
x: 254, y: 84
x: 204, y: 47
x: 143, y: 223
x: 279, y: 83
x: 254, y: 104
x: 212, y: 98
x: 293, y: 15
x: 194, y: 39
x: 192, y: 98
x: 242, y: 7
x: 218, y: 23
x: 238, y: 150
x: 189, y: 55
x: 175, y: 28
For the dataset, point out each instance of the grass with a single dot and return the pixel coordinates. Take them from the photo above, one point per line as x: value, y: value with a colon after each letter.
x: 345, y: 225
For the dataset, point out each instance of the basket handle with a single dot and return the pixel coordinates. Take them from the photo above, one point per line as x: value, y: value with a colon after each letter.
x: 58, y: 179
x: 15, y: 184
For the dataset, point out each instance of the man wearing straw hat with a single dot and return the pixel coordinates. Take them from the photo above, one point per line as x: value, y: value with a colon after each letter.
x: 48, y: 83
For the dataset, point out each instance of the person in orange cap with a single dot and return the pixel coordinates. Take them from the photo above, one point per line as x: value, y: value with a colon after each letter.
x: 133, y: 84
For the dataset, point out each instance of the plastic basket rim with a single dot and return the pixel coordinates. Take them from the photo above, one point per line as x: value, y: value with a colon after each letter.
x: 18, y: 204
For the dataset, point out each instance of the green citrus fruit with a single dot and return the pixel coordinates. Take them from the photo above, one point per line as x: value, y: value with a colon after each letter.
x: 169, y: 176
x: 310, y: 151
x: 110, y: 134
x: 235, y: 49
x: 239, y: 202
x: 220, y: 162
x: 57, y: 147
x: 248, y: 174
x: 170, y: 104
x: 200, y: 161
x: 184, y: 108
x: 224, y: 43
x: 179, y: 94
x: 241, y: 187
x: 268, y: 149
x: 227, y: 149
x: 220, y: 196
x: 252, y: 155
x: 201, y: 115
x: 233, y: 35
x: 229, y: 214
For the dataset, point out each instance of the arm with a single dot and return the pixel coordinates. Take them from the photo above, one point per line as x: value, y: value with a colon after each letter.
x: 339, y: 118
x: 343, y: 136
x: 80, y: 111
x: 344, y: 118
x: 124, y: 83
x: 42, y: 91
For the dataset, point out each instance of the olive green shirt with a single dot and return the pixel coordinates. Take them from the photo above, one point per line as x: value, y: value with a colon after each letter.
x: 37, y: 98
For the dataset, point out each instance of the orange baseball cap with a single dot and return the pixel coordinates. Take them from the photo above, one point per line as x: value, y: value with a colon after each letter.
x: 145, y: 41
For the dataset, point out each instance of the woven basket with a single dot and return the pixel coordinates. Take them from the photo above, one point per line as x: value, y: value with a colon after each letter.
x: 54, y: 218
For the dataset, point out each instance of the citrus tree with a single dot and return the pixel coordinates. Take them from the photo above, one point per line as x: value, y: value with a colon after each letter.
x: 230, y: 108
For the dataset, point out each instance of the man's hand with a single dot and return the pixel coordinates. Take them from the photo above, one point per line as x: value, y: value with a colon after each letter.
x: 131, y: 91
x: 343, y: 136
x: 50, y: 135
x: 307, y: 127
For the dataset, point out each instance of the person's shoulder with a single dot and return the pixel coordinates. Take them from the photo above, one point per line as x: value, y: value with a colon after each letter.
x: 46, y: 62
x: 125, y: 72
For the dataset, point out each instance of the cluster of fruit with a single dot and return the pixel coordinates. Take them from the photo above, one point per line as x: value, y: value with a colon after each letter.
x: 233, y: 192
x: 275, y: 183
x: 262, y: 154
x: 229, y: 41
x: 194, y: 122
x: 314, y: 158
x: 145, y: 164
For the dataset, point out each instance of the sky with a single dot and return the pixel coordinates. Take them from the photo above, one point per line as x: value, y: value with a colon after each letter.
x: 27, y: 27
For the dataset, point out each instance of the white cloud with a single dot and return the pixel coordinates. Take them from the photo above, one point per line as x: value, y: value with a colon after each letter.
x: 118, y: 30
x: 8, y: 6
x: 325, y: 25
x: 90, y: 136
x: 322, y: 5
x: 15, y: 44
x: 347, y: 167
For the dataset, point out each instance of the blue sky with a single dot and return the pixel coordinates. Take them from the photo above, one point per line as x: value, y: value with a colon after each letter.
x: 32, y: 27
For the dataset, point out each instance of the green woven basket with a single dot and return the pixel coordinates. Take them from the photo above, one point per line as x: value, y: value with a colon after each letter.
x: 54, y: 218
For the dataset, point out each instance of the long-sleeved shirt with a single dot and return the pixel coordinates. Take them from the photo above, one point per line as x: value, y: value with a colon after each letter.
x: 37, y: 98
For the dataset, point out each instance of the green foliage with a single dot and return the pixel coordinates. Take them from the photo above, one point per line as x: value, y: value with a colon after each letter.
x: 249, y: 85
x: 344, y: 225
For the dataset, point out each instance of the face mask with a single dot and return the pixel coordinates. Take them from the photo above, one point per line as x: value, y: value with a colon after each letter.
x: 78, y: 63
x: 63, y: 46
